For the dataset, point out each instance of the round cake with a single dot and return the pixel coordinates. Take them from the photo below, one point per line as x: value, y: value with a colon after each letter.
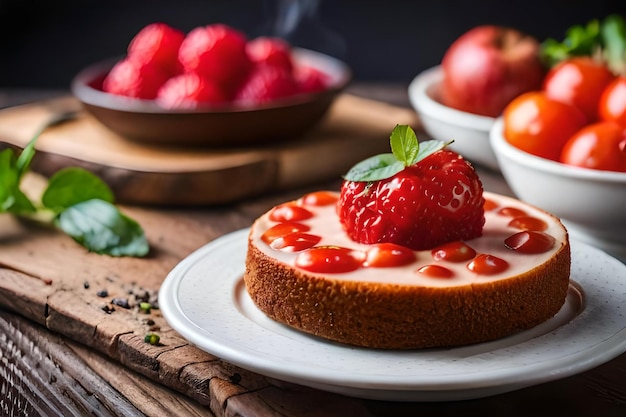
x: 303, y: 270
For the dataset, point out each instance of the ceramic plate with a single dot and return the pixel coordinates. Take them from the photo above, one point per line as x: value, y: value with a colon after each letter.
x: 204, y: 299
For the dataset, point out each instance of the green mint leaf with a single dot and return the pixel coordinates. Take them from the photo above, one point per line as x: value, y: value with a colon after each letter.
x: 12, y: 199
x: 613, y: 32
x: 429, y: 147
x: 406, y: 151
x: 73, y: 185
x: 375, y: 168
x: 8, y: 179
x: 27, y: 154
x: 82, y: 203
x: 21, y: 204
x: 579, y: 40
x: 101, y: 228
x: 604, y: 40
x: 404, y: 144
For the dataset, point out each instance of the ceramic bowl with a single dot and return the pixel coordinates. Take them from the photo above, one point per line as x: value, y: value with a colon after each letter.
x: 591, y: 203
x: 144, y: 121
x: 470, y: 132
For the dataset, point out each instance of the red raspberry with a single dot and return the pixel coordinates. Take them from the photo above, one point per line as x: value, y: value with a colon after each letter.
x: 132, y: 78
x: 265, y: 84
x: 310, y: 80
x: 436, y: 200
x: 216, y: 52
x: 189, y: 91
x: 270, y: 51
x: 157, y: 44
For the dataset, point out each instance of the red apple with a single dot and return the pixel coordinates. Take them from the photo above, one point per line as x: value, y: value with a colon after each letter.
x: 488, y: 66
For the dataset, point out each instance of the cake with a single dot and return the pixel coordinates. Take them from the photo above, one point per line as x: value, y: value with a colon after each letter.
x: 305, y: 268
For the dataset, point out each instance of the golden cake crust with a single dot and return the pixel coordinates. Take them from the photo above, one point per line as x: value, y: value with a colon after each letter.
x: 397, y: 316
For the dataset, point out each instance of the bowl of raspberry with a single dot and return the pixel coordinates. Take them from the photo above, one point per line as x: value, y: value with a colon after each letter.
x: 210, y: 87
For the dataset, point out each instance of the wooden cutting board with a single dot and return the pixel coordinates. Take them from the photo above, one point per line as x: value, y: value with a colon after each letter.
x: 354, y: 129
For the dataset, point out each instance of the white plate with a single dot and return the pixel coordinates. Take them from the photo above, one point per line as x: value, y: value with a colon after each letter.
x: 204, y: 299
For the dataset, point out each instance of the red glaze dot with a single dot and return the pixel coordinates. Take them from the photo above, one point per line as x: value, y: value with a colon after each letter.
x: 320, y: 198
x: 383, y: 255
x: 489, y: 205
x: 283, y: 229
x: 436, y: 271
x: 330, y: 259
x: 485, y: 264
x: 453, y: 252
x: 530, y: 241
x: 295, y: 242
x: 289, y: 212
x: 528, y: 223
x: 511, y: 212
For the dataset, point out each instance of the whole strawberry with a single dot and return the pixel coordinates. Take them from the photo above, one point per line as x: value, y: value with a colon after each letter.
x: 266, y: 50
x: 266, y: 83
x: 132, y: 78
x: 217, y: 52
x: 419, y: 196
x: 157, y: 44
x: 189, y: 91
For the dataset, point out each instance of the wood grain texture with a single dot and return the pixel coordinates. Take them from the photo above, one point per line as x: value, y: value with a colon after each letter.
x: 53, y: 376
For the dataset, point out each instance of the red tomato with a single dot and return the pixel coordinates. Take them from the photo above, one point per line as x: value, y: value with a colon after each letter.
x: 597, y: 146
x: 579, y: 81
x: 539, y: 125
x: 613, y: 101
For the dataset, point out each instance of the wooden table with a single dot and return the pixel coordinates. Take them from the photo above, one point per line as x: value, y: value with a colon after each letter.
x: 55, y: 360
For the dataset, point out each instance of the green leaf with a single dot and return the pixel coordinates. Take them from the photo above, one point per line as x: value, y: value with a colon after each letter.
x: 8, y: 179
x: 429, y: 147
x: 101, y: 228
x: 73, y: 185
x: 375, y: 168
x: 579, y: 40
x: 613, y: 32
x: 406, y: 150
x: 21, y: 204
x: 404, y: 144
x: 27, y: 154
x: 605, y: 40
x: 12, y: 199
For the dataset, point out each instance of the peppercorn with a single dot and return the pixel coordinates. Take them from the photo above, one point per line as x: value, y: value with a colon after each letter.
x: 152, y: 338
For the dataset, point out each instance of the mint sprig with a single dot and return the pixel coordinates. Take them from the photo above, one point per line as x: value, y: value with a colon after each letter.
x: 602, y: 39
x: 406, y: 150
x: 75, y: 200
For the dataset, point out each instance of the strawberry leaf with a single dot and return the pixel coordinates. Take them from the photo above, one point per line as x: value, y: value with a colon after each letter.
x: 375, y: 168
x: 404, y: 144
x: 429, y: 147
x: 406, y: 151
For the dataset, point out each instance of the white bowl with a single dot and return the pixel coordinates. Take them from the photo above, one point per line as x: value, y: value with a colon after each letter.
x: 591, y: 203
x: 470, y: 132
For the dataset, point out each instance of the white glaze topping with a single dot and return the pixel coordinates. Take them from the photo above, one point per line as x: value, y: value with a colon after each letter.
x: 325, y: 223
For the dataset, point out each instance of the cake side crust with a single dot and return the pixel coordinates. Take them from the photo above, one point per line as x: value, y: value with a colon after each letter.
x: 393, y: 316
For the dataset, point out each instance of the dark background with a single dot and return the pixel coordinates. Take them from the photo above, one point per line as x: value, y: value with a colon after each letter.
x: 43, y: 43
